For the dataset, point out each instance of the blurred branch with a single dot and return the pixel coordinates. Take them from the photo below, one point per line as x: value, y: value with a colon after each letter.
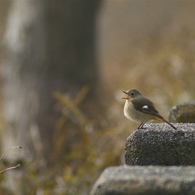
x: 70, y: 105
x: 81, y: 95
x: 13, y: 147
x: 9, y: 168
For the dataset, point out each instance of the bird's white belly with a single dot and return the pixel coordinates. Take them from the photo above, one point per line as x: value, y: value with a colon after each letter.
x: 129, y: 112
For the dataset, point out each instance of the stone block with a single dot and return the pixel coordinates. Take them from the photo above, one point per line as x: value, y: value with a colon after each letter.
x: 183, y: 112
x: 159, y: 144
x: 146, y: 180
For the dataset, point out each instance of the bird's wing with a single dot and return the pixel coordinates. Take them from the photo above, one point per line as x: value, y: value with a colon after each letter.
x: 146, y: 106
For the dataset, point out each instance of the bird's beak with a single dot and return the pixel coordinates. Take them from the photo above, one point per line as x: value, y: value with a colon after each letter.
x: 126, y: 95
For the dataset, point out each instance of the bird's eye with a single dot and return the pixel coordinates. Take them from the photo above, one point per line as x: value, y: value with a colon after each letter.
x: 132, y: 94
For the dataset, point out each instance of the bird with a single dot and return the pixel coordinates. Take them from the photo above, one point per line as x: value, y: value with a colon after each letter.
x: 140, y: 109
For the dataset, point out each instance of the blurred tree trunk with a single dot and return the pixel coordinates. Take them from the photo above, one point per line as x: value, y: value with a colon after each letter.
x: 48, y: 47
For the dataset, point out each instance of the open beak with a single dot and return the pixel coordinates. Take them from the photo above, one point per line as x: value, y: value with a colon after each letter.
x: 126, y: 95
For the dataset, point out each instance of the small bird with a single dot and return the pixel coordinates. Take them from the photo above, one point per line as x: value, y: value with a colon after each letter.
x: 140, y: 109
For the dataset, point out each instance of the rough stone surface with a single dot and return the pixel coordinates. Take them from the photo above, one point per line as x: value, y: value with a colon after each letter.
x: 146, y: 180
x: 159, y: 144
x: 183, y: 112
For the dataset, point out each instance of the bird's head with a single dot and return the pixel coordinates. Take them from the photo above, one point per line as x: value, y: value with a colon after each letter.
x: 130, y: 94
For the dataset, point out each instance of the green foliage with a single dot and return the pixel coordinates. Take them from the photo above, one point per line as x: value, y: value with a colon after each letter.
x: 88, y: 151
x: 81, y: 150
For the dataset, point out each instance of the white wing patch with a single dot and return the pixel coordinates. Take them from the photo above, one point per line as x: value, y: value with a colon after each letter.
x: 145, y: 107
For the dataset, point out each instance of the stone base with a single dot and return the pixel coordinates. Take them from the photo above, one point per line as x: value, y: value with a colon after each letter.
x: 146, y: 180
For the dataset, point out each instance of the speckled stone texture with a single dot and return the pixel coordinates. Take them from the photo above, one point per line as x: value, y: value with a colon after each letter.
x: 146, y: 180
x: 171, y: 151
x: 159, y: 144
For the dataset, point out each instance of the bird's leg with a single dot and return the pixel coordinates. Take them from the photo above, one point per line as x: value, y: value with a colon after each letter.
x: 141, y: 126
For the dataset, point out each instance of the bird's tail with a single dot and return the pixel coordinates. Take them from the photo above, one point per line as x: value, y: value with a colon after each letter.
x: 168, y: 123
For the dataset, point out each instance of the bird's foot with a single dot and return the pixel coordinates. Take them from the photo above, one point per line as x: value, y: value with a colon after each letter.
x: 141, y: 126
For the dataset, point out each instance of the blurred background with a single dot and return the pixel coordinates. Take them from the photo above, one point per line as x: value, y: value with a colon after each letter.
x: 63, y: 67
